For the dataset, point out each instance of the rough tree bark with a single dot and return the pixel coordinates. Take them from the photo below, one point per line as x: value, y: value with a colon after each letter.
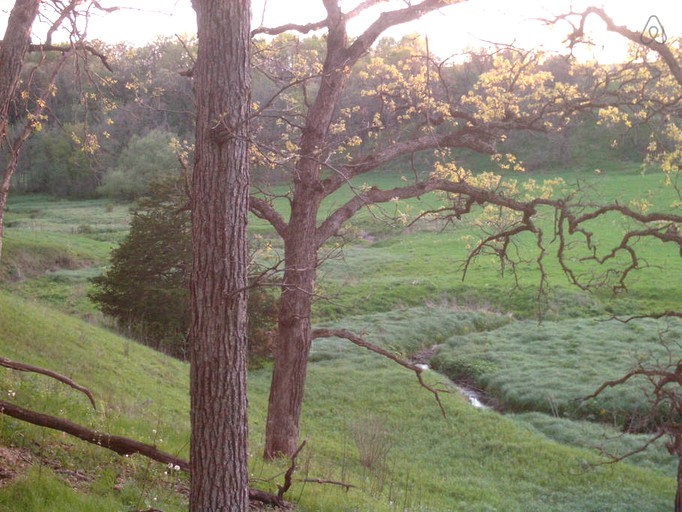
x: 13, y: 49
x: 218, y: 451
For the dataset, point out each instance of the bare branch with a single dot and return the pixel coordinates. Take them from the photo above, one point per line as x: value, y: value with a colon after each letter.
x: 282, y: 489
x: 613, y: 458
x: 8, y: 363
x: 66, y: 48
x: 389, y: 19
x: 357, y: 340
x: 614, y: 383
x: 660, y: 48
x: 311, y: 27
x: 295, y: 27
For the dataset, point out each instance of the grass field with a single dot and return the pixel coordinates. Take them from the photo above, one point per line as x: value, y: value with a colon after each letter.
x: 403, y: 289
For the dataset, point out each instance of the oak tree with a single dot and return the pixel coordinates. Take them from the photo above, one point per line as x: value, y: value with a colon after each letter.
x: 412, y: 110
x: 653, y: 98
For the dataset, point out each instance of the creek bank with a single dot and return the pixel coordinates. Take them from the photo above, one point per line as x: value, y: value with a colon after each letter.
x: 476, y: 397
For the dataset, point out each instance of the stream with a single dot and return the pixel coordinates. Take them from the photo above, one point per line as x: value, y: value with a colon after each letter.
x: 475, y: 397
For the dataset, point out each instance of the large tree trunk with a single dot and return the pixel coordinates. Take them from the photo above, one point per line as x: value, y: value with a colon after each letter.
x: 218, y: 451
x: 294, y: 338
x: 13, y: 48
x: 300, y: 257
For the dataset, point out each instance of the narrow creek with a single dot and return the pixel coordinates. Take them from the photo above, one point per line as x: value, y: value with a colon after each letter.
x: 476, y: 397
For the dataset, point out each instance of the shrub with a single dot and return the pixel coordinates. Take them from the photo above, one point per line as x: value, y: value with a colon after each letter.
x: 146, y: 287
x: 373, y: 441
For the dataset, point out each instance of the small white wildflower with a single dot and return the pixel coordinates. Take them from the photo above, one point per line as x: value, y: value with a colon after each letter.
x: 176, y: 467
x: 11, y: 393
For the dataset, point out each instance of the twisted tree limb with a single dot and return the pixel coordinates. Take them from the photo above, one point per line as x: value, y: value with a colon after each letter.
x: 357, y: 340
x: 22, y: 367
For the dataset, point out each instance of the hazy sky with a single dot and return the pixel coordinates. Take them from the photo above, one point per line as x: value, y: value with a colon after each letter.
x: 450, y: 30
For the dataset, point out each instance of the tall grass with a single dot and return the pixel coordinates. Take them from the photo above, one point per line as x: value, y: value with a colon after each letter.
x: 550, y: 367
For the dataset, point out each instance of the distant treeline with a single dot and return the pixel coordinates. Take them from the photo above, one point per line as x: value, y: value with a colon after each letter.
x: 111, y: 134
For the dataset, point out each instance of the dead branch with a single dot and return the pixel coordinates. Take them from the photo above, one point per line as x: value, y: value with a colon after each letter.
x: 282, y: 489
x: 329, y: 482
x: 66, y: 48
x: 357, y: 340
x: 119, y: 444
x: 21, y: 367
x: 311, y: 27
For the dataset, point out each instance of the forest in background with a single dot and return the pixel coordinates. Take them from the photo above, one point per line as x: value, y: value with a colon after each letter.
x: 111, y: 134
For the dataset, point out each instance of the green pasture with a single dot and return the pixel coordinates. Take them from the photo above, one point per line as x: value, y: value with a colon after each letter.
x: 400, y: 286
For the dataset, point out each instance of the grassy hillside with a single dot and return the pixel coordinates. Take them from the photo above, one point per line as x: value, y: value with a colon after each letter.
x: 471, y: 460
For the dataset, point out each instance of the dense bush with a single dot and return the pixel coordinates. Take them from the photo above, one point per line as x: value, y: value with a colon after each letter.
x: 146, y: 287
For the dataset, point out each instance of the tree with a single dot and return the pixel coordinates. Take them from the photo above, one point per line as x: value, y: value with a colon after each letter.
x: 218, y: 453
x: 13, y: 48
x: 146, y: 287
x: 33, y: 99
x: 220, y: 202
x: 658, y: 66
x: 145, y: 159
x: 417, y: 111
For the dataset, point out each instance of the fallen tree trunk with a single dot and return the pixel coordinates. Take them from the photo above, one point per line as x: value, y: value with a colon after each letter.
x: 120, y: 445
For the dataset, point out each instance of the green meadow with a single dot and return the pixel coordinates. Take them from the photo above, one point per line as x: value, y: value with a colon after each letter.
x: 366, y: 420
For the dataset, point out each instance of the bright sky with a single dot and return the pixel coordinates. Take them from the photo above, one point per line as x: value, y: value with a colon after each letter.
x: 450, y: 30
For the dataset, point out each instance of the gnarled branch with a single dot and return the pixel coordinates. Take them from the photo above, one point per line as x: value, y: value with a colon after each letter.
x: 14, y: 365
x: 360, y: 342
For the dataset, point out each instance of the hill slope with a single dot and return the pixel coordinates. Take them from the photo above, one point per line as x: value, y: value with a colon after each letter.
x: 471, y: 460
